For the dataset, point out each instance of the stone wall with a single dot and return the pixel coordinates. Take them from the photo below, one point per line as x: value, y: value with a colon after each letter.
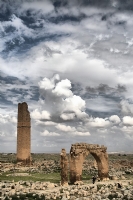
x: 64, y: 168
x: 23, y: 134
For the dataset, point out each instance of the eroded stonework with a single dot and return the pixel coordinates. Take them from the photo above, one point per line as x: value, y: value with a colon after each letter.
x: 79, y: 151
x: 23, y: 134
x: 64, y: 168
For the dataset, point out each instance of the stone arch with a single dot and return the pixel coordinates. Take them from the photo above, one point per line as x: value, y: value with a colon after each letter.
x: 79, y: 151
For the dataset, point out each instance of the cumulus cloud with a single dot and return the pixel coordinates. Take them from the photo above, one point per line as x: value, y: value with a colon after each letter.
x: 67, y: 116
x: 78, y: 133
x: 49, y: 123
x: 115, y: 119
x: 47, y: 83
x: 60, y: 100
x: 47, y: 133
x: 38, y: 115
x: 98, y: 122
x: 7, y: 118
x: 128, y: 121
x: 63, y: 88
x: 76, y: 105
x: 65, y: 128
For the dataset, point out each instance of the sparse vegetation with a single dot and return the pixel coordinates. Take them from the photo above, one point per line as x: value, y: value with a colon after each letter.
x: 53, y: 177
x: 44, y: 176
x: 29, y: 196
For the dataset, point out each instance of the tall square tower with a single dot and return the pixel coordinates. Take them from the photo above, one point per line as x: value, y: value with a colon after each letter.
x: 23, y: 134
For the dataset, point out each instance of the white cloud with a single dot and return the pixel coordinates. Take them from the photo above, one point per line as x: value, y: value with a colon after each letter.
x: 115, y: 119
x: 49, y: 123
x: 98, y: 122
x: 67, y: 116
x: 75, y: 104
x: 63, y: 88
x: 7, y: 118
x: 65, y: 128
x: 47, y: 133
x: 40, y: 114
x: 60, y: 100
x: 47, y: 83
x: 78, y: 133
x: 128, y: 121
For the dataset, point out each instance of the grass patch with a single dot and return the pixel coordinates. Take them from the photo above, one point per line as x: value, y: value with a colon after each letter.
x: 86, y: 177
x: 28, y: 196
x: 52, y: 177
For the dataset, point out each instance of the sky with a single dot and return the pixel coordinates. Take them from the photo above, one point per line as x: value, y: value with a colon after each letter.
x: 72, y: 62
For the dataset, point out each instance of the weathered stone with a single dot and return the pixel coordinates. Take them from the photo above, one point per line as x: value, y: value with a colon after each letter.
x: 64, y: 168
x: 79, y: 151
x: 23, y: 134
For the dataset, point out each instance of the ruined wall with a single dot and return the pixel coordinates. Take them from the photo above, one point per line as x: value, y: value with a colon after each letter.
x: 101, y: 157
x: 79, y: 151
x: 77, y: 156
x: 23, y: 134
x: 64, y: 168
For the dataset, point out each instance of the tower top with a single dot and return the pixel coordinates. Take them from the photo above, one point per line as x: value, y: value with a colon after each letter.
x: 23, y: 113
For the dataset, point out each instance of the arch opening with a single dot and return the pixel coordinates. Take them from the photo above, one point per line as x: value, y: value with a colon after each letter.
x: 78, y: 153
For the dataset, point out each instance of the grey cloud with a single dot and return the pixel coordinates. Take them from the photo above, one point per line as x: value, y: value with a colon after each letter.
x: 127, y: 107
x: 105, y: 89
x: 14, y: 90
x: 103, y: 100
x: 87, y: 42
x: 103, y: 106
x: 4, y: 79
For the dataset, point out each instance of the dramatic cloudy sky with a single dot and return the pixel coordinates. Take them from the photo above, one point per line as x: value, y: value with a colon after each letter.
x: 72, y: 62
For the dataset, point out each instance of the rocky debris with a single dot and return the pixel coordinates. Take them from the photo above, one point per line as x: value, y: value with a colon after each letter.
x: 46, y: 166
x: 48, y: 163
x: 98, y: 191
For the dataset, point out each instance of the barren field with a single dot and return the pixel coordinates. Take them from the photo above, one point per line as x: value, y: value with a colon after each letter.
x: 41, y: 180
x: 46, y: 167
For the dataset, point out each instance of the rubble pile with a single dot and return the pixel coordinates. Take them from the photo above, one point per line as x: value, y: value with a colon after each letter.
x: 98, y: 191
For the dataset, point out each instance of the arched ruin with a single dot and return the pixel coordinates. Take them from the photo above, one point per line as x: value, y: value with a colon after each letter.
x: 79, y: 151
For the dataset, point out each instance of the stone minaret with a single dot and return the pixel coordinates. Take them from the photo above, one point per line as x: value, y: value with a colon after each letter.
x: 23, y: 134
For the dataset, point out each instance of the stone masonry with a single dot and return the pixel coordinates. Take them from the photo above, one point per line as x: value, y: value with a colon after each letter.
x: 79, y: 151
x: 23, y: 134
x: 64, y: 168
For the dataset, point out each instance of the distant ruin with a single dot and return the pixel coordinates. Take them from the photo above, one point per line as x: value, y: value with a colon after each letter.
x: 23, y: 134
x: 78, y: 152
